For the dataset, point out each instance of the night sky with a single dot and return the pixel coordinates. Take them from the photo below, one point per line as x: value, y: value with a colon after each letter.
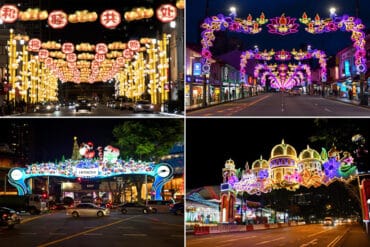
x: 210, y: 142
x: 53, y: 138
x: 330, y: 42
x: 94, y: 32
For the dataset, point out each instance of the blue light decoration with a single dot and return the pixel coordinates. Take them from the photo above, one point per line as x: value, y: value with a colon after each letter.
x: 197, y: 68
x: 92, y: 168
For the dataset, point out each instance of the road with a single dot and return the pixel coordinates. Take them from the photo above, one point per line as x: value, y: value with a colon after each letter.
x: 298, y: 236
x: 101, y: 110
x: 280, y: 104
x: 131, y: 230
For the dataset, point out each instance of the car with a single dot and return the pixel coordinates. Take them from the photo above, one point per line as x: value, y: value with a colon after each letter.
x: 127, y: 104
x: 295, y: 91
x: 162, y: 206
x: 328, y: 221
x: 46, y: 107
x: 143, y: 106
x: 178, y: 208
x: 9, y: 217
x: 88, y: 209
x: 132, y: 207
x: 83, y: 104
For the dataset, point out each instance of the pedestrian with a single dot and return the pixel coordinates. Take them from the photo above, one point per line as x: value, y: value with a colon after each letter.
x: 350, y: 94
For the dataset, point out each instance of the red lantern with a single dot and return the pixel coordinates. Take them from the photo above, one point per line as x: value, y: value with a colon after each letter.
x: 57, y: 19
x: 120, y: 61
x: 101, y: 48
x: 166, y: 13
x: 71, y: 65
x: 68, y: 48
x: 43, y: 54
x: 48, y: 61
x: 71, y: 57
x: 34, y: 45
x: 134, y: 45
x: 128, y: 54
x: 99, y: 57
x: 110, y: 18
x: 9, y: 13
x: 94, y: 64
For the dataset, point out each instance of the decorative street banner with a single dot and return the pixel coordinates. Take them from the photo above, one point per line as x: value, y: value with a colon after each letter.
x: 106, y: 165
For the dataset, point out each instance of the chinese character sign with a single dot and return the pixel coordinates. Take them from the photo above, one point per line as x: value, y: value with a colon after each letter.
x: 110, y: 18
x: 57, y: 19
x: 166, y: 13
x: 8, y: 13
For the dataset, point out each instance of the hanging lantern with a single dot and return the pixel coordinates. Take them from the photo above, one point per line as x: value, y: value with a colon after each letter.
x: 101, y: 48
x: 9, y: 13
x: 166, y: 13
x: 34, y: 45
x: 57, y: 19
x: 128, y: 54
x: 99, y: 57
x: 110, y: 18
x: 120, y: 61
x: 68, y: 48
x: 43, y: 54
x: 71, y: 57
x: 134, y: 45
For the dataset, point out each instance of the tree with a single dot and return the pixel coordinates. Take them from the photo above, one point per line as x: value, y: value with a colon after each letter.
x: 148, y: 139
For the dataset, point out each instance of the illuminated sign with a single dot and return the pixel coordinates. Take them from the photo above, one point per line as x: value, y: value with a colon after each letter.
x: 197, y: 69
x: 87, y: 172
x: 347, y: 71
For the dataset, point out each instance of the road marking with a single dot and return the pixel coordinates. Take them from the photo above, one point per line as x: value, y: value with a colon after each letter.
x: 135, y: 235
x: 268, y: 241
x: 312, y: 242
x: 326, y: 109
x: 236, y: 239
x: 84, y: 232
x: 332, y: 243
x: 317, y: 233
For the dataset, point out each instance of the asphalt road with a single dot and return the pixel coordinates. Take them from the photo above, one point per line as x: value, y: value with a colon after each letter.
x: 300, y: 236
x: 280, y: 104
x: 100, y: 111
x: 131, y: 230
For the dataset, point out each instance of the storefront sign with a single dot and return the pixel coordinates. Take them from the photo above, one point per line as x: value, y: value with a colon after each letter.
x: 93, y: 172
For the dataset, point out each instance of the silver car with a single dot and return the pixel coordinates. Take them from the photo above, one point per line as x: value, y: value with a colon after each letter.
x: 143, y: 106
x: 88, y: 209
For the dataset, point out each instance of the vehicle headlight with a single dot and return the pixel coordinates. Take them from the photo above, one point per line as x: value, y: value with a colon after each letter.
x: 48, y: 107
x: 151, y: 106
x: 89, y: 104
x: 139, y: 106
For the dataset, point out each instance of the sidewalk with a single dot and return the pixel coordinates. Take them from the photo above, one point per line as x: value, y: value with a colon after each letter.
x: 346, y: 100
x: 356, y: 236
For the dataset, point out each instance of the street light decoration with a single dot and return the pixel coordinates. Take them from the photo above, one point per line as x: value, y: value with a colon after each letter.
x: 282, y: 25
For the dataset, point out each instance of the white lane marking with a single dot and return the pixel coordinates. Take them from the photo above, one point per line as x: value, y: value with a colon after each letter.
x: 312, y: 242
x: 236, y: 239
x: 332, y: 243
x: 317, y: 233
x: 272, y: 240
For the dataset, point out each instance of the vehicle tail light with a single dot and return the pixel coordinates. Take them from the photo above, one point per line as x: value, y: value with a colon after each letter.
x: 5, y: 216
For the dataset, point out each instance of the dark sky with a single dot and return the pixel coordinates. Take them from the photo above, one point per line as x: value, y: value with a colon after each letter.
x: 210, y: 142
x: 331, y: 43
x: 53, y: 138
x: 95, y: 32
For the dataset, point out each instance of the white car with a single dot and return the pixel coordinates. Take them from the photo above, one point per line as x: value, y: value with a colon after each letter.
x: 88, y: 209
x: 143, y: 106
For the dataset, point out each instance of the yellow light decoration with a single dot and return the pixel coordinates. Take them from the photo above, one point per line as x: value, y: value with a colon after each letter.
x: 82, y: 16
x: 33, y: 15
x: 138, y: 14
x: 180, y: 4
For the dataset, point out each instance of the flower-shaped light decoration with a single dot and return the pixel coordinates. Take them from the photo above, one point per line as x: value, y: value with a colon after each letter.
x: 282, y: 55
x: 283, y: 25
x: 223, y: 23
x: 331, y: 168
x: 344, y: 23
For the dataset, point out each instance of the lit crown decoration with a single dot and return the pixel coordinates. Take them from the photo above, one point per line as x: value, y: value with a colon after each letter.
x: 285, y: 170
x: 282, y: 25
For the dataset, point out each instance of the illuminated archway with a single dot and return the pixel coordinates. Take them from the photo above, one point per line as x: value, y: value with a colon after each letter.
x: 92, y: 169
x: 283, y: 25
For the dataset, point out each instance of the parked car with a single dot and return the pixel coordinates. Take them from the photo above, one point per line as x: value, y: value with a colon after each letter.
x: 178, y: 208
x: 135, y: 207
x: 83, y: 104
x: 88, y: 209
x: 9, y: 217
x: 143, y: 106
